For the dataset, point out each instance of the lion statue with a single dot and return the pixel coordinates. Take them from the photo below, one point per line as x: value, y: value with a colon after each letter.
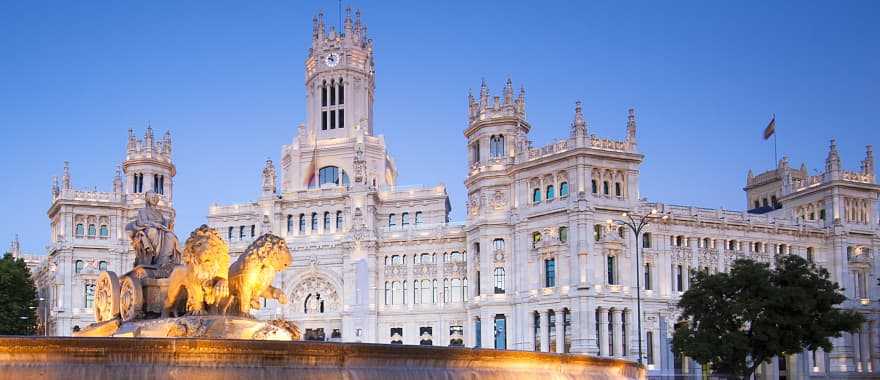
x: 202, y: 279
x: 250, y: 277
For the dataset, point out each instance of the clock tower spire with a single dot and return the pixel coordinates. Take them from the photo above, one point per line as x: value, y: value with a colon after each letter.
x: 340, y: 78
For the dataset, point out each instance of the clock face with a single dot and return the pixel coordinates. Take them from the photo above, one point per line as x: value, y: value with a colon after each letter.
x: 332, y: 59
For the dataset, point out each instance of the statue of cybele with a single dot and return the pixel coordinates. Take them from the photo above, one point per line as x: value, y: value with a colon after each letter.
x: 152, y: 239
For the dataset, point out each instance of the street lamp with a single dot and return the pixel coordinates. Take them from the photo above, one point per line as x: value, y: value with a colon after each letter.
x: 637, y: 225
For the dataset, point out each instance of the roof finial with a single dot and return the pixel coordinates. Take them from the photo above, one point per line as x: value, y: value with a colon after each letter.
x: 579, y: 124
x: 631, y: 125
x: 508, y: 91
x: 65, y: 177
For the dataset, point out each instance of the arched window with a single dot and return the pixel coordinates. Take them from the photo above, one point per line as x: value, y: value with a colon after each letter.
x: 426, y: 292
x: 396, y: 260
x: 499, y: 280
x: 314, y: 222
x: 550, y: 273
x: 78, y: 266
x: 92, y: 230
x: 289, y: 223
x: 241, y: 232
x: 563, y: 189
x: 331, y: 175
x: 104, y: 231
x: 417, y: 292
x: 617, y: 189
x: 595, y: 186
x: 388, y: 297
x: 498, y: 244
x: 80, y: 230
x: 102, y: 265
x: 339, y: 220
x: 446, y: 292
x: 391, y: 222
x: 327, y: 221
x: 563, y: 234
x: 536, y: 196
x: 302, y: 223
x: 605, y: 187
x: 551, y: 193
x: 404, y: 219
x: 810, y: 254
x: 536, y: 238
x: 397, y: 296
x: 229, y: 233
x: 418, y: 217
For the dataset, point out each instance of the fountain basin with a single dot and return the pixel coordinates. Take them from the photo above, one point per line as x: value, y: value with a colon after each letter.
x: 194, y: 359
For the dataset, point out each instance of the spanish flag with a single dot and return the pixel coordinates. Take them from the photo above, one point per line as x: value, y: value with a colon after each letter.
x: 771, y: 128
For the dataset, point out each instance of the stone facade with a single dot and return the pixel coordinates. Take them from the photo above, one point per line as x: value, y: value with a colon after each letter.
x: 539, y: 264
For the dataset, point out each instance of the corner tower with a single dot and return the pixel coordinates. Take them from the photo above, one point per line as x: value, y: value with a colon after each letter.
x: 339, y: 78
x: 148, y: 167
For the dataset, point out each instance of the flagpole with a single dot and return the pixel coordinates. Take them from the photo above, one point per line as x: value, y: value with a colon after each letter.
x: 775, y: 152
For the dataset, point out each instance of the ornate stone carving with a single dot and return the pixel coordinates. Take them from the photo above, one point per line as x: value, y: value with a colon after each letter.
x: 152, y: 239
x: 313, y: 291
x: 269, y: 178
x: 203, y: 275
x: 251, y: 276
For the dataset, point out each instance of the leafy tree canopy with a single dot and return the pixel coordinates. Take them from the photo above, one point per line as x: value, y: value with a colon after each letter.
x: 735, y: 321
x: 18, y: 298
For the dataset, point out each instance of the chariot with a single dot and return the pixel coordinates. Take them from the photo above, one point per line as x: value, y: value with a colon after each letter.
x: 138, y: 294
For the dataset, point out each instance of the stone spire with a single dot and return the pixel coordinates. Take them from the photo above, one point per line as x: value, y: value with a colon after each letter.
x: 269, y: 181
x: 578, y: 125
x: 347, y: 28
x: 148, y: 138
x: 750, y: 177
x: 484, y: 94
x: 521, y: 100
x: 15, y: 247
x: 832, y: 163
x: 166, y: 143
x: 868, y: 163
x: 55, y: 188
x: 65, y: 178
x: 631, y: 126
x: 508, y: 92
x: 117, y: 181
x: 358, y: 26
x: 132, y: 141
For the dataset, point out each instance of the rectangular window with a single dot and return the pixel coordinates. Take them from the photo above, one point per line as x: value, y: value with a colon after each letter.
x: 500, y: 332
x: 324, y: 96
x: 456, y: 336
x: 679, y: 279
x: 647, y: 276
x: 89, y: 295
x: 323, y: 120
x: 478, y: 337
x: 332, y: 119
x: 646, y: 240
x: 550, y: 273
x: 341, y: 118
x: 477, y: 290
x: 332, y: 95
x: 426, y: 336
x: 649, y: 345
x: 341, y: 94
x: 396, y: 335
x: 611, y: 272
x: 253, y: 230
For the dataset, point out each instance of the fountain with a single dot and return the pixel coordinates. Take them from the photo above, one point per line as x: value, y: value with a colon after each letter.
x: 195, y: 297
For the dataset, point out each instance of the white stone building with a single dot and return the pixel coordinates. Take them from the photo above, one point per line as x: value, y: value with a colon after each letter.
x: 88, y: 231
x: 536, y: 265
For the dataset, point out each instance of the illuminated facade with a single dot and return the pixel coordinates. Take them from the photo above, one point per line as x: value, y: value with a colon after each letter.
x: 536, y: 265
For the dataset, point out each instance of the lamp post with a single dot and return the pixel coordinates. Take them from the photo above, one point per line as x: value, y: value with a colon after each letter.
x: 637, y: 226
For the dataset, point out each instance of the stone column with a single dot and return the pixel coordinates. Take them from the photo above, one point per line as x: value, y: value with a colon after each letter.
x: 872, y: 346
x: 617, y: 328
x: 545, y: 331
x: 603, y: 332
x: 560, y: 331
x: 857, y: 349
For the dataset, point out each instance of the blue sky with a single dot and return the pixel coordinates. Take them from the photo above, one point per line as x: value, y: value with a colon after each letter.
x: 226, y: 78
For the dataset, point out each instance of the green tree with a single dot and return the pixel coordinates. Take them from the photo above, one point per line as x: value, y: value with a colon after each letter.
x: 18, y: 298
x: 735, y: 321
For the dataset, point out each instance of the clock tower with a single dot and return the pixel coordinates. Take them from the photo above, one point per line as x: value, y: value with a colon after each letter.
x: 340, y: 79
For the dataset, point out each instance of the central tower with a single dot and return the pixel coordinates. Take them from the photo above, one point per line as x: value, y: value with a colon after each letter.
x: 339, y: 78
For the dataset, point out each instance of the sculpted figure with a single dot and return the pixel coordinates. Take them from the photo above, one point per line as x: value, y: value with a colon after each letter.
x: 250, y: 277
x: 152, y: 239
x: 203, y: 274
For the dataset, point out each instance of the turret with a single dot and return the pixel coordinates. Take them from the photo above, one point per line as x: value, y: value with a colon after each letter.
x: 148, y: 165
x: 868, y: 164
x: 118, y: 184
x: 501, y: 106
x: 631, y: 127
x: 832, y: 162
x: 578, y: 125
x: 65, y: 178
x: 269, y: 182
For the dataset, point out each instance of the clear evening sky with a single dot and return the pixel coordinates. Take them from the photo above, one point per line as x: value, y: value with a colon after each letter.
x: 226, y: 77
